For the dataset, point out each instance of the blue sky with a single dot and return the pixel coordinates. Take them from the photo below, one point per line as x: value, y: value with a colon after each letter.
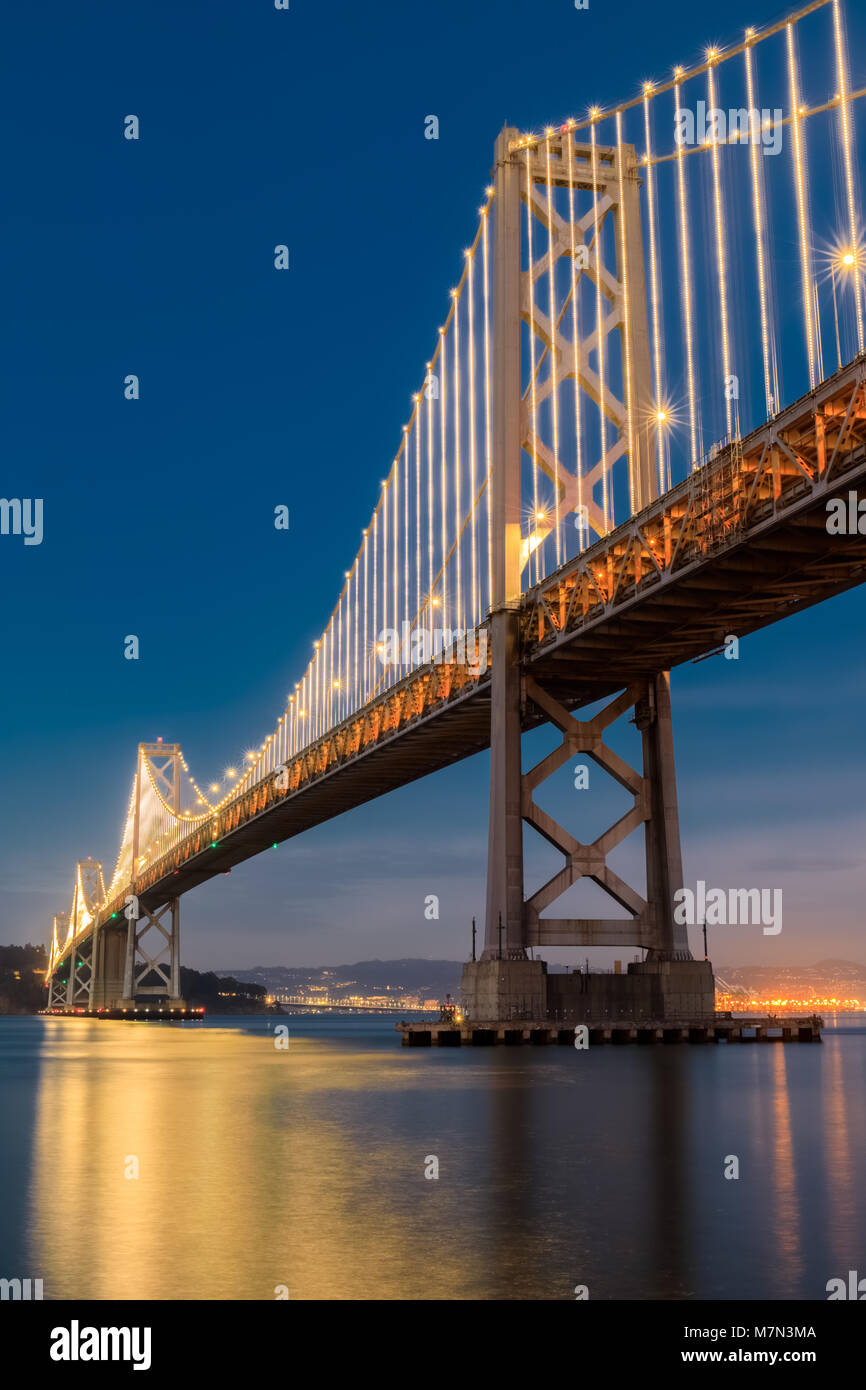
x: 258, y: 388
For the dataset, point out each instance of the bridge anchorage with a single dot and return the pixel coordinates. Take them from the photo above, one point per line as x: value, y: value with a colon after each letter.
x: 594, y: 486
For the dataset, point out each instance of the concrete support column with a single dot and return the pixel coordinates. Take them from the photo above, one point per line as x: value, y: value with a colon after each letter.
x: 664, y: 864
x: 129, y: 962
x: 174, y: 988
x: 505, y: 834
x: 95, y: 968
x: 505, y: 843
x: 109, y: 967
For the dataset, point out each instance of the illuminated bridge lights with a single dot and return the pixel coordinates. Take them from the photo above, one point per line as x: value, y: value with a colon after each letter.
x: 423, y: 551
x: 725, y: 496
x: 745, y: 484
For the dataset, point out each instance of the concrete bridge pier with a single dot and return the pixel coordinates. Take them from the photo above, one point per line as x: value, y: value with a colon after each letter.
x: 110, y: 950
x: 669, y: 984
x: 155, y: 976
x: 505, y: 983
x: 118, y: 967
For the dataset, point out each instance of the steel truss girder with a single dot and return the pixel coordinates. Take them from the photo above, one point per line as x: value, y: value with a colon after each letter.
x: 800, y: 456
x: 416, y: 698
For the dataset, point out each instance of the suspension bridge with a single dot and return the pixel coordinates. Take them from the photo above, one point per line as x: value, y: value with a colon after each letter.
x: 645, y: 401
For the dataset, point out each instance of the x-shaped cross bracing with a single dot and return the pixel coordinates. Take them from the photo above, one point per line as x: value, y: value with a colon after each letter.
x: 585, y: 860
x: 580, y: 242
x: 160, y: 964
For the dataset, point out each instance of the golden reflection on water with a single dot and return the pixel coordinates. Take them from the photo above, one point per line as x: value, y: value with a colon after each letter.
x: 840, y: 1197
x: 248, y: 1178
x: 788, y: 1214
x: 261, y: 1167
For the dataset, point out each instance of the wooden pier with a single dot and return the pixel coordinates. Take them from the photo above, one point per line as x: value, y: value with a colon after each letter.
x: 722, y: 1028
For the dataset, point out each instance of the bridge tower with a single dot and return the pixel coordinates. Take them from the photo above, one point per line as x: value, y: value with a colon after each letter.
x: 76, y: 991
x: 505, y: 982
x: 157, y: 975
x: 56, y: 986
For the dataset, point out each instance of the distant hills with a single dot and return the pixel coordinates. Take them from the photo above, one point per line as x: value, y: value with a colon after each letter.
x: 22, y: 979
x: 436, y: 978
x: 430, y: 978
x: 221, y: 994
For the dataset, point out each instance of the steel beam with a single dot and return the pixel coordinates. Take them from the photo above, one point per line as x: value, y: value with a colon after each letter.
x: 504, y: 912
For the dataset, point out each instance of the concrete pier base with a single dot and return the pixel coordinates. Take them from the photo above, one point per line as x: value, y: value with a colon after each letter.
x: 107, y: 992
x: 666, y: 990
x: 678, y: 988
x: 504, y: 989
x: 175, y: 1012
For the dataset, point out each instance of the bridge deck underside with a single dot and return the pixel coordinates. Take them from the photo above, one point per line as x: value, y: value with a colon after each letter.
x: 791, y: 564
x: 446, y: 736
x: 785, y: 569
x: 740, y: 544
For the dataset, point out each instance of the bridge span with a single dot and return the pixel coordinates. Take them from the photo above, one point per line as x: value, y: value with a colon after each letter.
x: 532, y: 551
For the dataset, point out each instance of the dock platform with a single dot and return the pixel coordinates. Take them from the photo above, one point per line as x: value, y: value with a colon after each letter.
x: 142, y: 1014
x: 722, y: 1028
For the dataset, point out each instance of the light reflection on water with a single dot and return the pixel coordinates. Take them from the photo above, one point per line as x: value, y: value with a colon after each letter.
x: 305, y: 1167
